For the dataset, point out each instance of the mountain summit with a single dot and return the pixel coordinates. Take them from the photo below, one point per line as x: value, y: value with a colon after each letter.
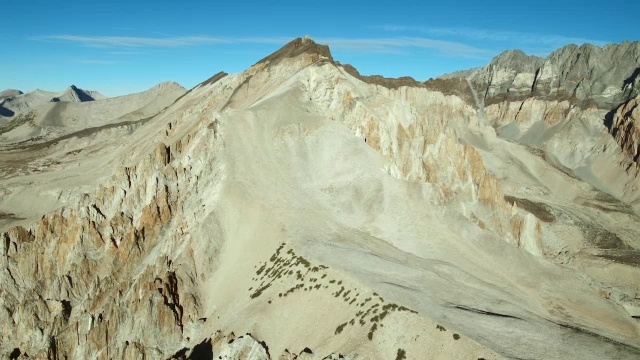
x: 297, y: 47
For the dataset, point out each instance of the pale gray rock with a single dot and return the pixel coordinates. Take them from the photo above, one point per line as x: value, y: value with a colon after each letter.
x: 10, y: 93
x: 604, y: 76
x: 16, y: 102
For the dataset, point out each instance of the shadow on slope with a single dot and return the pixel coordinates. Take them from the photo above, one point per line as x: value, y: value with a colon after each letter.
x: 6, y: 112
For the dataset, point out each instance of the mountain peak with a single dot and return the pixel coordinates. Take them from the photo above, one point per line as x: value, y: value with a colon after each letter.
x: 517, y: 60
x: 10, y: 93
x: 297, y: 47
x: 74, y: 94
x: 169, y: 84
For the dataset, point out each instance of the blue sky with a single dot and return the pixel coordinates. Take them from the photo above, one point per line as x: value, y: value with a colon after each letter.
x: 119, y: 47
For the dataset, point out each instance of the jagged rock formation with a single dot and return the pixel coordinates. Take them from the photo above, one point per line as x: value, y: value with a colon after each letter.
x: 571, y: 95
x: 624, y: 128
x: 321, y: 212
x: 587, y: 75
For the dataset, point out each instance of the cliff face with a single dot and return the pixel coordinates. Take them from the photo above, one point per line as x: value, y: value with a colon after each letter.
x: 417, y: 131
x: 587, y: 75
x: 624, y: 128
x: 83, y: 276
x: 322, y: 212
x: 561, y: 105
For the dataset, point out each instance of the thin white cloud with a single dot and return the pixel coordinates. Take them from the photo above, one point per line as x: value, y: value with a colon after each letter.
x: 495, y: 35
x: 129, y: 41
x: 125, y: 52
x: 96, y: 61
x: 361, y: 45
x: 395, y: 44
x: 133, y: 41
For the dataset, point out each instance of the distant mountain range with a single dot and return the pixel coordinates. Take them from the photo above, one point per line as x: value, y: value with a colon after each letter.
x: 14, y: 102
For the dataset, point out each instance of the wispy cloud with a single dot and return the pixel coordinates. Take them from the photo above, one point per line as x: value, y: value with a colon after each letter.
x: 396, y: 44
x: 495, y: 35
x: 133, y: 41
x: 129, y: 41
x: 125, y: 52
x: 96, y: 61
x: 120, y: 44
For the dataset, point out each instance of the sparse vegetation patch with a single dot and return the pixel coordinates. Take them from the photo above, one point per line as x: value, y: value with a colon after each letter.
x: 307, y: 277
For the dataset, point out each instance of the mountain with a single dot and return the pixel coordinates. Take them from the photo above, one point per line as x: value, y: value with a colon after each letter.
x: 54, y: 121
x: 10, y: 93
x: 587, y: 75
x: 320, y: 213
x: 558, y: 106
x: 15, y: 102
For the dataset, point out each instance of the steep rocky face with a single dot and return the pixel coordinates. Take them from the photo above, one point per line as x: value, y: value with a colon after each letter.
x: 561, y: 105
x: 322, y: 214
x: 66, y: 273
x: 587, y: 74
x: 624, y: 128
x: 512, y: 74
x: 418, y: 133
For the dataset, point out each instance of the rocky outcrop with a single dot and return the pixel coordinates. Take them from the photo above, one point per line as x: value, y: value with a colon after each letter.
x: 457, y: 86
x: 623, y: 125
x: 296, y: 48
x: 75, y: 284
x: 390, y: 83
x: 241, y: 347
x: 587, y: 74
x: 213, y: 79
x: 511, y: 74
x: 548, y: 103
x: 418, y: 133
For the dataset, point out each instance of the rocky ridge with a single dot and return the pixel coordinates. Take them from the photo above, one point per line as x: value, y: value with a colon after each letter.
x: 588, y: 74
x: 10, y: 93
x: 572, y: 94
x: 624, y: 128
x: 13, y: 102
